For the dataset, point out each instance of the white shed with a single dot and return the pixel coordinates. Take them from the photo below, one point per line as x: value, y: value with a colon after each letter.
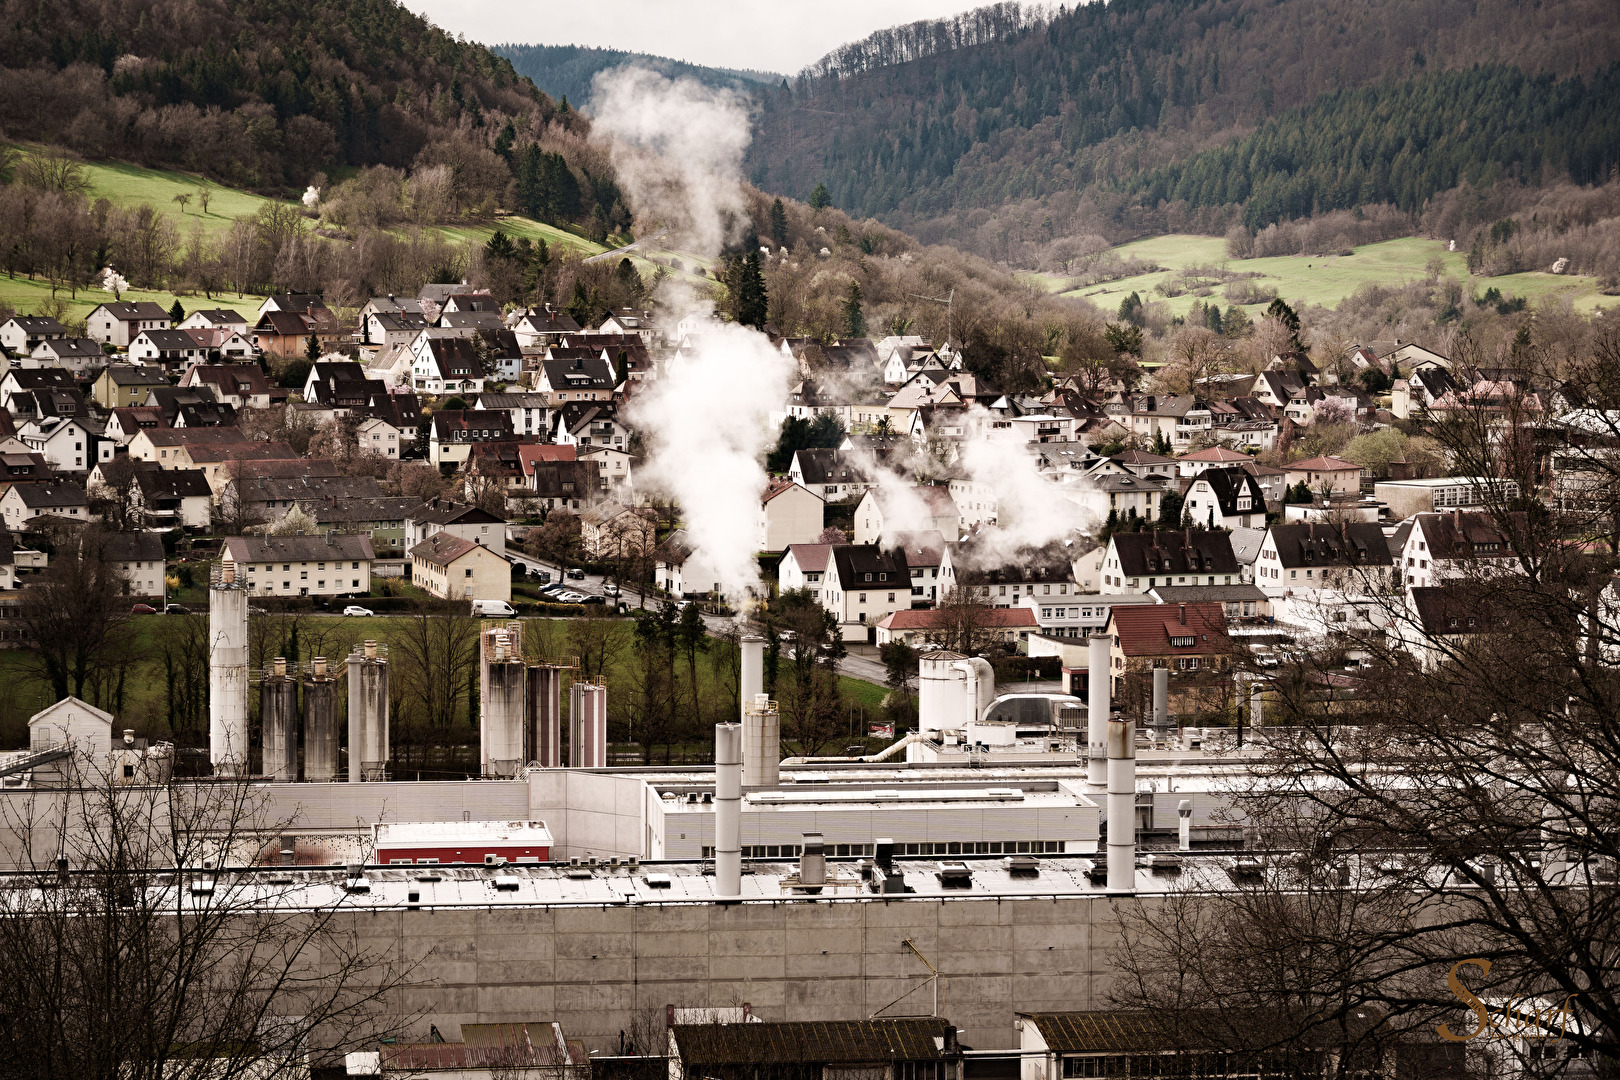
x: 70, y: 720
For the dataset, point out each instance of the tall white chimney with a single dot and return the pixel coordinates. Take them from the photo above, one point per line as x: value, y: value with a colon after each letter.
x: 762, y: 742
x: 728, y: 810
x: 1161, y: 698
x: 1184, y: 812
x: 1099, y: 692
x: 228, y: 673
x: 1121, y: 805
x: 751, y: 676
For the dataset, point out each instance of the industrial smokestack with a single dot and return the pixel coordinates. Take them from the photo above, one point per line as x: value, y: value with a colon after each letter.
x: 545, y: 715
x: 1161, y: 698
x: 1099, y: 692
x: 368, y: 713
x: 228, y: 674
x: 320, y: 724
x: 500, y: 705
x: 1184, y: 813
x: 813, y: 862
x: 587, y: 726
x: 728, y: 810
x: 278, y: 719
x: 762, y: 742
x: 751, y: 680
x: 1121, y: 805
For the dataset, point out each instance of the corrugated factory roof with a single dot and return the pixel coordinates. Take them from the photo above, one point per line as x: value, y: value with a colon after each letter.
x: 812, y: 1041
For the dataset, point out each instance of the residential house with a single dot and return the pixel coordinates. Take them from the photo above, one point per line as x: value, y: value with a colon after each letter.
x: 1246, y: 545
x: 864, y: 583
x: 190, y: 407
x: 215, y: 319
x: 929, y: 560
x: 23, y: 504
x: 1177, y: 419
x: 166, y: 445
x: 975, y: 500
x: 1077, y: 614
x: 530, y: 413
x: 587, y: 423
x: 895, y: 507
x: 381, y: 520
x: 1190, y: 465
x: 503, y: 356
x: 435, y: 298
x: 1447, y: 546
x: 563, y: 485
x: 76, y: 354
x: 329, y: 565
x: 803, y: 566
x: 469, y: 300
x: 494, y: 466
x: 445, y: 365
x: 1245, y: 601
x: 921, y: 626
x: 169, y: 349
x: 123, y: 386
x: 241, y: 386
x: 220, y: 343
x: 583, y: 376
x: 539, y: 327
x: 231, y: 467
x: 48, y: 403
x: 1333, y: 474
x: 612, y: 466
x: 267, y: 490
x: 169, y: 498
x: 612, y: 530
x: 20, y: 335
x: 388, y: 329
x: 121, y: 323
x: 124, y: 424
x: 532, y: 453
x: 835, y: 475
x: 1351, y: 557
x: 287, y: 333
x: 377, y: 436
x: 630, y: 322
x: 454, y: 432
x: 1144, y: 463
x: 458, y: 519
x: 291, y: 302
x: 1276, y: 388
x: 1186, y: 638
x: 1441, y: 623
x: 1125, y: 496
x: 789, y: 513
x: 1226, y: 498
x: 18, y: 384
x: 69, y: 444
x: 21, y: 467
x: 452, y: 568
x: 139, y: 558
x: 1135, y: 562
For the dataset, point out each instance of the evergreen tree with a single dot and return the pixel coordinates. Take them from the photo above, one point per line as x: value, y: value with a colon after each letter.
x: 312, y: 348
x: 1284, y: 314
x: 1130, y: 310
x: 1170, y: 509
x: 504, y: 141
x: 1161, y: 445
x: 1125, y: 338
x: 177, y: 315
x: 579, y: 305
x: 778, y: 224
x: 820, y: 197
x: 751, y: 299
x: 854, y: 317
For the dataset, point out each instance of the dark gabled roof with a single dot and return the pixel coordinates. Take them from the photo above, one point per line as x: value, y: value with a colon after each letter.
x: 494, y: 423
x: 582, y: 477
x: 1182, y: 551
x: 572, y: 416
x: 470, y: 320
x: 219, y: 316
x: 1164, y: 404
x: 170, y: 340
x: 302, y: 488
x: 1355, y: 543
x: 823, y: 466
x: 44, y: 378
x: 1448, y: 610
x: 283, y: 324
x: 980, y: 560
x: 48, y: 495
x: 854, y: 561
x: 579, y: 373
x: 231, y: 378
x: 811, y: 1042
x: 136, y: 375
x: 1228, y: 483
x: 1125, y: 1031
x: 400, y: 320
x: 542, y: 321
x: 132, y: 547
x: 75, y: 348
x: 58, y: 401
x: 173, y: 483
x: 404, y: 411
x: 443, y: 512
x: 344, y: 511
x: 444, y: 548
x: 1465, y: 534
x: 133, y: 312
x: 454, y: 357
x: 501, y: 344
x: 37, y: 325
x: 295, y: 301
x: 331, y: 545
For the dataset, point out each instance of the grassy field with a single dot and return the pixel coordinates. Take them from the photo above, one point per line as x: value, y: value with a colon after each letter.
x: 30, y: 296
x: 1305, y: 279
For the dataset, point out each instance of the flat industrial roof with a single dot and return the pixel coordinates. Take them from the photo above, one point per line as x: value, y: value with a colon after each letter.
x: 446, y: 832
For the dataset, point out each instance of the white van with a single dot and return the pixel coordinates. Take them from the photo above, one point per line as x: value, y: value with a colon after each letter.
x: 490, y: 609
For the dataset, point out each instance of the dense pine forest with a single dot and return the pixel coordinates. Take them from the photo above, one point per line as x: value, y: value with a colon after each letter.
x: 566, y: 71
x: 921, y: 131
x: 261, y: 94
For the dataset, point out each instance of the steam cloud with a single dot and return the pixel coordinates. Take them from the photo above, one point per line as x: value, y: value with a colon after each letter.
x: 678, y: 148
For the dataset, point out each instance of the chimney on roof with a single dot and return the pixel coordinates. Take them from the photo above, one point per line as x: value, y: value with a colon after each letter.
x: 1183, y: 614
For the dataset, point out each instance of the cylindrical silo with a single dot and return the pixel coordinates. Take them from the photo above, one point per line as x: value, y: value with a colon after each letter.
x: 762, y: 742
x: 368, y: 713
x: 1099, y: 699
x: 500, y: 702
x: 587, y: 726
x: 947, y: 692
x: 545, y: 715
x: 278, y: 720
x: 320, y: 724
x: 227, y: 673
x: 751, y: 671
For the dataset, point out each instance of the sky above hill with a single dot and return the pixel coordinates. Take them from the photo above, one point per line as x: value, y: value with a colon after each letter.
x: 766, y: 35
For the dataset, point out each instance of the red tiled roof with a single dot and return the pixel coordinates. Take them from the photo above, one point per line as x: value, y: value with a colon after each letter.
x: 1322, y: 464
x: 1146, y: 629
x: 1215, y: 453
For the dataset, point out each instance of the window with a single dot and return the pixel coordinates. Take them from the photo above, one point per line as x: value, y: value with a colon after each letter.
x: 863, y: 600
x: 469, y: 571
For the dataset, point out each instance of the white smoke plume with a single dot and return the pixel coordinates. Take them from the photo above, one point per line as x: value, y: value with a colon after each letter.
x: 677, y: 147
x: 1031, y: 511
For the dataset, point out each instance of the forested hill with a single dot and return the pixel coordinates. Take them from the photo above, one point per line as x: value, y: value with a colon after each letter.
x: 916, y: 129
x: 257, y: 93
x: 566, y: 71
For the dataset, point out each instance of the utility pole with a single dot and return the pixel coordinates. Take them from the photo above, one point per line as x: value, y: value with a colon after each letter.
x: 949, y: 300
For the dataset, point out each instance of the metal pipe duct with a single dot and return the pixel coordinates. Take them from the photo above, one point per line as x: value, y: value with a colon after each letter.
x: 1121, y: 805
x: 1161, y: 698
x: 728, y: 810
x: 1099, y: 693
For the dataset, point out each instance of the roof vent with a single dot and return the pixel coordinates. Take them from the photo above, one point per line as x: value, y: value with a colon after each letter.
x: 1023, y: 865
x: 955, y: 875
x: 657, y: 881
x: 506, y: 884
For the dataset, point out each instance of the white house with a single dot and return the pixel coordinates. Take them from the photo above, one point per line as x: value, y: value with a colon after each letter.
x: 789, y: 513
x: 24, y: 502
x: 68, y: 444
x: 893, y: 507
x: 378, y: 436
x: 1227, y: 498
x: 803, y: 566
x: 1443, y: 547
x: 120, y: 323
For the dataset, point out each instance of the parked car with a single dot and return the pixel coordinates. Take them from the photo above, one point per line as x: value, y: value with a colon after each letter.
x: 570, y: 597
x: 594, y: 600
x: 610, y: 590
x: 542, y: 576
x: 356, y: 609
x: 576, y: 574
x: 143, y: 609
x: 175, y: 609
